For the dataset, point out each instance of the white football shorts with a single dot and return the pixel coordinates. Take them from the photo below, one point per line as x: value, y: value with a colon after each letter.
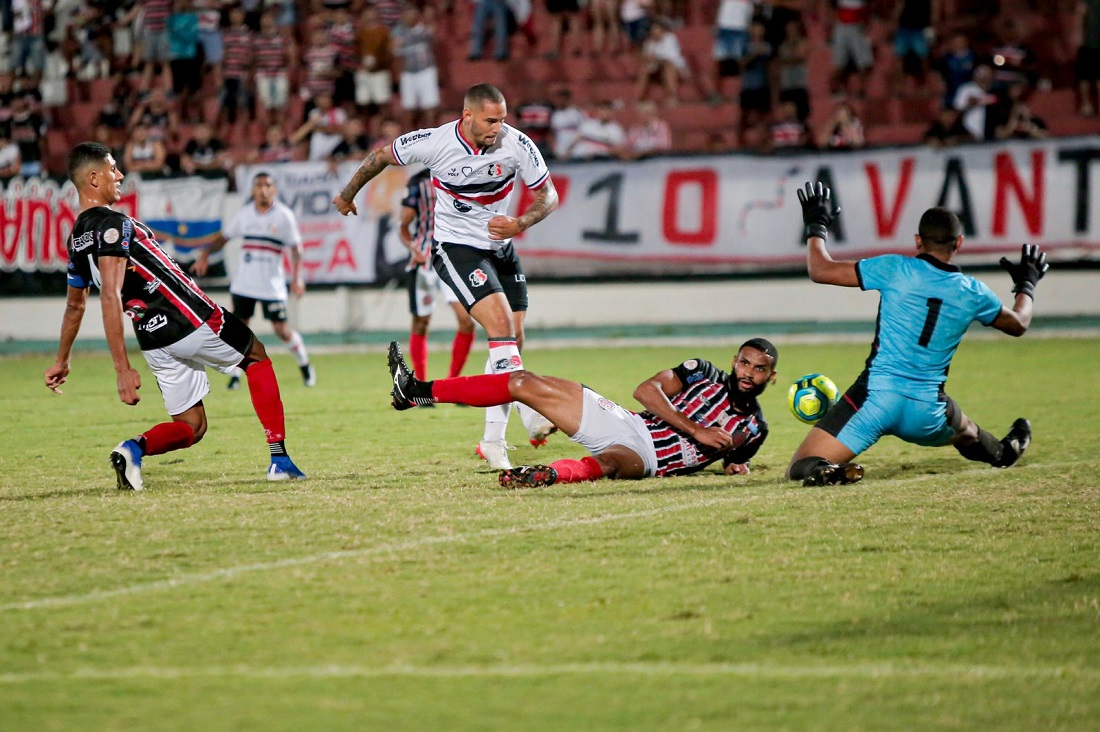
x: 604, y: 423
x: 180, y: 368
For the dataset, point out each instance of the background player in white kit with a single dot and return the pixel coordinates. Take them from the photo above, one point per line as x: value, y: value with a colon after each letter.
x: 474, y: 163
x: 268, y: 228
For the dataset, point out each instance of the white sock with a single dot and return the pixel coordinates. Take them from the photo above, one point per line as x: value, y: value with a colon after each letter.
x: 503, y: 358
x: 298, y: 348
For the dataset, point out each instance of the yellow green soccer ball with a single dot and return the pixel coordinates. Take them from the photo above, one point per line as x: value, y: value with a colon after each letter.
x: 811, y: 396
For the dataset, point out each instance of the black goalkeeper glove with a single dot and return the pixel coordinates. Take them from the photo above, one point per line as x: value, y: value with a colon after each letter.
x: 818, y: 211
x: 1033, y: 265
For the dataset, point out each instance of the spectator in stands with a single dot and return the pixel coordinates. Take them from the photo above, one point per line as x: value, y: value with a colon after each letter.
x: 204, y: 155
x: 662, y: 62
x: 533, y: 117
x: 731, y: 39
x: 183, y: 51
x: 341, y: 31
x: 354, y: 144
x: 115, y: 113
x: 54, y: 86
x: 956, y: 66
x: 210, y: 39
x: 321, y: 60
x: 606, y: 35
x: 105, y: 135
x: 1014, y: 61
x: 276, y: 148
x: 793, y: 73
x: 650, y: 135
x: 1087, y: 67
x: 1017, y: 121
x: 565, y: 14
x: 778, y: 14
x: 844, y: 131
x: 92, y: 34
x: 486, y: 13
x: 947, y: 130
x: 144, y: 154
x: 853, y: 54
x: 600, y: 137
x: 152, y: 38
x: 635, y: 17
x: 755, y: 96
x: 787, y: 132
x: 275, y: 53
x: 374, y: 77
x: 27, y: 127
x: 913, y: 27
x: 414, y: 38
x: 10, y: 160
x: 28, y: 42
x: 236, y: 69
x: 324, y: 128
x: 565, y: 122
x: 973, y: 99
x: 159, y: 115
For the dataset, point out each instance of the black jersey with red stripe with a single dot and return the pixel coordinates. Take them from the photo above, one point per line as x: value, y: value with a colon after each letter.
x: 162, y: 301
x: 705, y: 399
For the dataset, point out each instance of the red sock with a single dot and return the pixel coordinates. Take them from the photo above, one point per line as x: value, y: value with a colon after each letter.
x: 577, y: 471
x: 264, y: 389
x: 418, y: 354
x: 483, y: 390
x: 168, y: 436
x: 460, y: 349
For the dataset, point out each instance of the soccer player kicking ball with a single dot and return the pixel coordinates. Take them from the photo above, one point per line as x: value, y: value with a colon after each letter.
x: 179, y: 329
x: 926, y: 306
x: 695, y: 414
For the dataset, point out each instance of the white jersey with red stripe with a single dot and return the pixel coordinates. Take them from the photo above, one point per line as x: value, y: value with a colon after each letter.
x: 163, y: 302
x: 267, y: 236
x: 473, y: 184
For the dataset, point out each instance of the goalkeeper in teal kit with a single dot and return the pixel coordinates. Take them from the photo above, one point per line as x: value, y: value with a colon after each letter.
x: 926, y: 306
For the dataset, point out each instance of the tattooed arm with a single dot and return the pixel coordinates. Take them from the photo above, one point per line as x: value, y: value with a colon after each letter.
x: 546, y: 200
x: 375, y: 162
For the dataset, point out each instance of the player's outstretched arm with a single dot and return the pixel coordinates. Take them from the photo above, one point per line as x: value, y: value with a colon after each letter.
x: 75, y: 302
x: 376, y: 161
x: 1025, y: 277
x: 818, y: 214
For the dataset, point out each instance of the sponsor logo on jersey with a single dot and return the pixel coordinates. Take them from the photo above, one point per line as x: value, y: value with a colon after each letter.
x: 110, y: 236
x: 153, y: 286
x: 467, y: 171
x: 452, y: 173
x: 478, y: 278
x: 605, y: 404
x: 157, y: 321
x: 520, y: 278
x: 83, y: 241
x: 413, y: 137
x: 462, y: 206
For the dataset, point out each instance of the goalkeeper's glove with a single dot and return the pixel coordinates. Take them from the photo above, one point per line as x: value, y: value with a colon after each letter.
x: 818, y: 211
x: 1033, y: 265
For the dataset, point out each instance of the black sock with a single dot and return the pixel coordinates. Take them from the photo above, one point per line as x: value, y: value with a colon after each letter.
x: 987, y: 449
x: 801, y: 469
x: 418, y: 389
x: 278, y: 449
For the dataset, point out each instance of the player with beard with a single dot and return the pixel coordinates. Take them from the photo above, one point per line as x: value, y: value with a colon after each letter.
x: 695, y: 414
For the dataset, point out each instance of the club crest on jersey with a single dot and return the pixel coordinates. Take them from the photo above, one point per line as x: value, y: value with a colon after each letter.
x: 478, y: 278
x: 496, y: 170
x: 462, y: 207
x: 135, y: 309
x: 605, y: 404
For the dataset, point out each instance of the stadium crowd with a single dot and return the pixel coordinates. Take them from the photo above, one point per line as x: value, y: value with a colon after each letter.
x: 196, y: 86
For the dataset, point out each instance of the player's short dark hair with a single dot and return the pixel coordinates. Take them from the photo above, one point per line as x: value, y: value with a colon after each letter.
x: 939, y: 227
x: 479, y: 95
x: 764, y: 346
x: 85, y: 154
x: 262, y: 174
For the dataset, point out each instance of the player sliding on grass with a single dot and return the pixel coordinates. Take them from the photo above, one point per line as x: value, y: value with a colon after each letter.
x: 695, y: 414
x: 927, y: 305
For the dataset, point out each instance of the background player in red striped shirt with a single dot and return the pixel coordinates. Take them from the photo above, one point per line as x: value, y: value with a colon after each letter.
x: 179, y: 329
x: 695, y: 414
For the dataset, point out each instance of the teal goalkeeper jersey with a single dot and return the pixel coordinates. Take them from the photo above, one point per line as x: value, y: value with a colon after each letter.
x: 926, y: 307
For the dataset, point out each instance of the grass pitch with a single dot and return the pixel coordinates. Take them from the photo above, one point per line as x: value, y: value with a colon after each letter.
x: 399, y: 588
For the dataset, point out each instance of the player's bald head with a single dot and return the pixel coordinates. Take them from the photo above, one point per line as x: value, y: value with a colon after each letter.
x: 85, y: 157
x: 478, y: 95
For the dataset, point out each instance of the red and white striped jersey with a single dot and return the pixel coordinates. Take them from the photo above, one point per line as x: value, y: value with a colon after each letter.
x: 266, y: 235
x: 473, y: 184
x: 163, y: 302
x: 420, y: 197
x: 705, y: 399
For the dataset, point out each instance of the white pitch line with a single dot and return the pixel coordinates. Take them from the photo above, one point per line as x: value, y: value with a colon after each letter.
x: 951, y: 671
x: 231, y: 572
